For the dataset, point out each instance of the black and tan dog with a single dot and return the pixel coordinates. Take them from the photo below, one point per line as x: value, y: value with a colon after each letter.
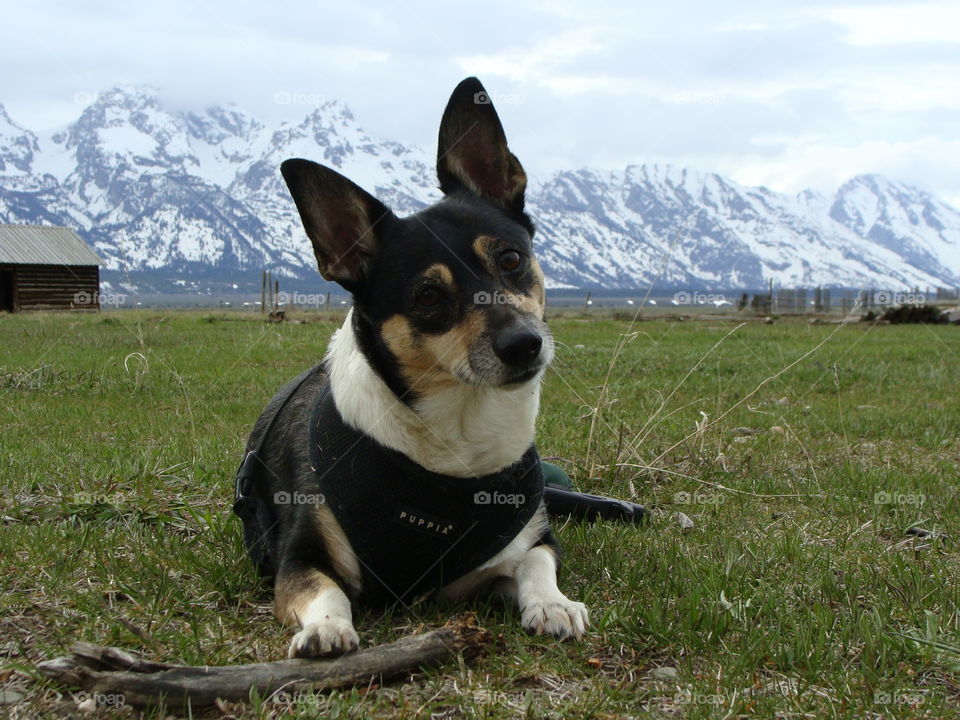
x: 405, y: 463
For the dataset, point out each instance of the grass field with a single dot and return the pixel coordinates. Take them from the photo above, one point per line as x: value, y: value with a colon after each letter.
x: 802, y: 453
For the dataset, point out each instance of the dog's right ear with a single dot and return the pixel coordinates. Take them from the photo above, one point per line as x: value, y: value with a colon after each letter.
x: 340, y: 219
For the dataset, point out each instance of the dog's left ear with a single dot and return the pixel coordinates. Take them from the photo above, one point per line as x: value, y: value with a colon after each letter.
x: 472, y: 151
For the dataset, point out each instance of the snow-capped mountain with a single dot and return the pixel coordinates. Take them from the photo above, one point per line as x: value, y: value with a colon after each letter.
x: 199, y: 194
x: 699, y: 230
x: 906, y: 221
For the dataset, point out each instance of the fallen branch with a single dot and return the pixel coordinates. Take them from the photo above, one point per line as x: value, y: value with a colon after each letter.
x: 109, y: 671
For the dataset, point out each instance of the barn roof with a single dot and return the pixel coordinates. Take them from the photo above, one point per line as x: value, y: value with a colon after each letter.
x: 44, y: 245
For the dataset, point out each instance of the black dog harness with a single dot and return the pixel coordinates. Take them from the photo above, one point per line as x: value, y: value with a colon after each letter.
x: 412, y: 530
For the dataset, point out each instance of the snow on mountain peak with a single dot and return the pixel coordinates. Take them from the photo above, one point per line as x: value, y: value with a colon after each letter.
x: 200, y: 192
x: 17, y: 146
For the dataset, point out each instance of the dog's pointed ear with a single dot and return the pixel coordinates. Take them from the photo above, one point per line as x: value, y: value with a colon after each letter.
x: 472, y: 151
x: 340, y: 219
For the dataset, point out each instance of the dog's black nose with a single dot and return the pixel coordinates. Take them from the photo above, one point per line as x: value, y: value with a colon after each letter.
x: 517, y: 347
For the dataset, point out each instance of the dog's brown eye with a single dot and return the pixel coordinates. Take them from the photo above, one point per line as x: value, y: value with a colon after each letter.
x: 510, y: 260
x: 429, y: 297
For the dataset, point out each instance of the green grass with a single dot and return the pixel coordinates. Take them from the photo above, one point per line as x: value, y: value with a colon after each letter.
x: 801, y: 452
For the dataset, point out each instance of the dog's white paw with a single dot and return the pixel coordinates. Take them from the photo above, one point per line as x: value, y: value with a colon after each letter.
x: 333, y: 636
x: 560, y: 616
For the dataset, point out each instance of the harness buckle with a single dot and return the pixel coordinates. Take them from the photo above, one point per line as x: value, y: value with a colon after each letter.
x: 245, y: 477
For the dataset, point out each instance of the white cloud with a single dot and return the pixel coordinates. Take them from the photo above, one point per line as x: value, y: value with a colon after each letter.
x: 781, y: 94
x: 898, y: 24
x: 809, y: 162
x: 538, y: 62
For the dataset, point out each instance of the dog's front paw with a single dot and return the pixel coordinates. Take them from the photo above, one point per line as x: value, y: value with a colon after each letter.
x: 560, y: 616
x: 331, y: 637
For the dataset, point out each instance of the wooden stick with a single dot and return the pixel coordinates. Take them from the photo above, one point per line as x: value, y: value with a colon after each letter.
x: 114, y: 672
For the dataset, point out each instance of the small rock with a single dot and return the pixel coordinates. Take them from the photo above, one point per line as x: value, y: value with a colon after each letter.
x: 768, y: 320
x: 9, y: 696
x: 665, y: 673
x: 685, y: 522
x: 777, y: 430
x: 784, y: 401
x: 745, y: 431
x: 578, y: 346
x: 88, y: 706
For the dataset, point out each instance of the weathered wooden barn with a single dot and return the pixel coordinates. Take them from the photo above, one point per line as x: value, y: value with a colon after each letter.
x: 47, y: 268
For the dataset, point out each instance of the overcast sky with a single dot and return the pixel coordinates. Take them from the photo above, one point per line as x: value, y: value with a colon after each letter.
x: 789, y: 95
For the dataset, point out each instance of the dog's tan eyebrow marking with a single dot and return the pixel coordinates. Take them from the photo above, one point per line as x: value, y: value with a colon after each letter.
x: 440, y: 273
x: 483, y: 247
